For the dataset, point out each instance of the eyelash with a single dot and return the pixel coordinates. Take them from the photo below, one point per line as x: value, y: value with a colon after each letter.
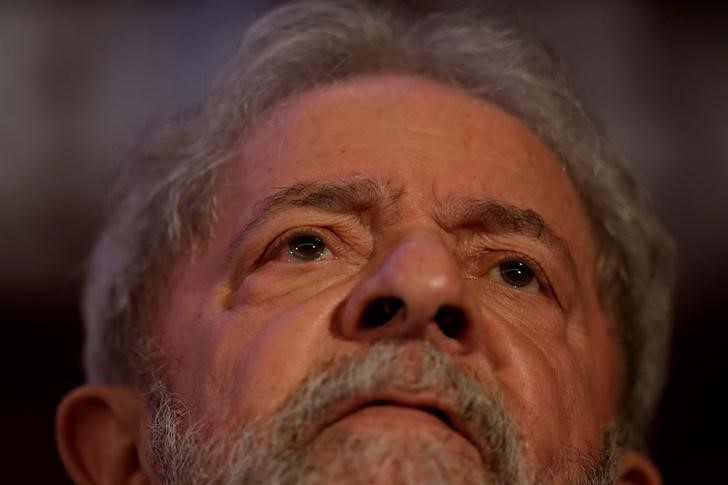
x: 281, y: 243
x: 538, y: 272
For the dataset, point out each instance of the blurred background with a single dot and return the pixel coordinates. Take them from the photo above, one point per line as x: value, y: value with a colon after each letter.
x: 79, y: 81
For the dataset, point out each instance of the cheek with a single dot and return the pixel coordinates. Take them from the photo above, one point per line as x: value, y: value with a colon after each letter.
x: 599, y: 351
x: 278, y: 358
x: 251, y: 358
x: 546, y: 381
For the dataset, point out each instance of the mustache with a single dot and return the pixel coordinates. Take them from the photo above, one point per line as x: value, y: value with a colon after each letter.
x: 402, y: 366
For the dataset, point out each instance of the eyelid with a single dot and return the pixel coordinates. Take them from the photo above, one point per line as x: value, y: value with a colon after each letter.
x: 280, y: 243
x: 540, y: 275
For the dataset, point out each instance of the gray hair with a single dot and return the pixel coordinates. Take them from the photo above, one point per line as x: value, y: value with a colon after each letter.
x: 166, y: 208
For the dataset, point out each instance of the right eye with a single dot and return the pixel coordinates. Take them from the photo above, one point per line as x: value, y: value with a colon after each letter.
x: 306, y: 247
x: 310, y: 245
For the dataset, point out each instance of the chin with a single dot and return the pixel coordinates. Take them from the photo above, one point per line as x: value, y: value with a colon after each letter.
x: 375, y: 453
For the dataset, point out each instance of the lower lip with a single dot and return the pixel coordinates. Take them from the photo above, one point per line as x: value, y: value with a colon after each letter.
x: 389, y: 414
x: 402, y: 420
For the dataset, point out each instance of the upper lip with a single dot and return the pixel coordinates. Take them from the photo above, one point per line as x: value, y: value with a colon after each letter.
x: 425, y: 401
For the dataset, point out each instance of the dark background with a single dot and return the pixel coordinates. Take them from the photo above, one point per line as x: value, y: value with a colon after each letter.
x: 79, y: 81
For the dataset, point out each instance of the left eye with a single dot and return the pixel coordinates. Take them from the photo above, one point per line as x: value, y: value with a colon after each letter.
x: 516, y: 274
x: 306, y: 248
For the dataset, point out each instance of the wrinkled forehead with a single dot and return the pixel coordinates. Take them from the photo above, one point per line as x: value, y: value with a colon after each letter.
x: 431, y: 141
x: 370, y: 110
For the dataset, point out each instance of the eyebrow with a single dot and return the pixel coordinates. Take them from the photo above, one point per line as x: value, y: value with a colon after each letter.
x: 365, y: 195
x: 496, y: 217
x: 361, y: 196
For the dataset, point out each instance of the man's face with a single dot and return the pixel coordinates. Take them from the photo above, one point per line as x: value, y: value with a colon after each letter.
x: 368, y: 231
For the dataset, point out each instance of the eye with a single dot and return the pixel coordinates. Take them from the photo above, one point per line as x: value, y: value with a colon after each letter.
x: 516, y: 274
x: 306, y: 247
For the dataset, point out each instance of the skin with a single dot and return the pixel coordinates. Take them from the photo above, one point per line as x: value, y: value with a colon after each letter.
x: 245, y: 310
x: 281, y: 320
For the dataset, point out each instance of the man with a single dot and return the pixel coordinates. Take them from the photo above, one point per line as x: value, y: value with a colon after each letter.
x: 390, y: 248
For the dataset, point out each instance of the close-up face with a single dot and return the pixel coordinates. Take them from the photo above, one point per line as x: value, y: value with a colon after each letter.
x: 402, y: 271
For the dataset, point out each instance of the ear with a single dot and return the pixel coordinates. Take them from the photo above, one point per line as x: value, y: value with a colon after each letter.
x: 98, y: 431
x: 637, y: 469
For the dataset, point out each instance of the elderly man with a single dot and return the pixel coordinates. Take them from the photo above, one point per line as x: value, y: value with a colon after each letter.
x: 390, y: 248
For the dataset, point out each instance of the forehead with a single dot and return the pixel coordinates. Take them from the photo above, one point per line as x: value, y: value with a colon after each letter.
x: 432, y: 141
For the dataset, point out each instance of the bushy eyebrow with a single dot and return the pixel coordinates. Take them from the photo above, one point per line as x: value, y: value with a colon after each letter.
x: 368, y: 197
x: 362, y: 196
x: 494, y: 217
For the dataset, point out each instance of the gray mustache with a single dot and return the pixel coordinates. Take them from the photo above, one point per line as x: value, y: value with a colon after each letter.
x: 403, y: 366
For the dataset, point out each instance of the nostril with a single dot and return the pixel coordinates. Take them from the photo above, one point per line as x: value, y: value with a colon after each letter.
x: 381, y: 310
x: 450, y: 320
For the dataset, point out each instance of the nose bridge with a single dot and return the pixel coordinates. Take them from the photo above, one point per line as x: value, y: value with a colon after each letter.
x: 414, y: 288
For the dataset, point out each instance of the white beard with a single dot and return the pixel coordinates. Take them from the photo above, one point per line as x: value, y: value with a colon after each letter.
x: 273, y: 452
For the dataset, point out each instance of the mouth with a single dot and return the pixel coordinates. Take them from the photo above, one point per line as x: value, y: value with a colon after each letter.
x: 431, y: 410
x: 401, y: 409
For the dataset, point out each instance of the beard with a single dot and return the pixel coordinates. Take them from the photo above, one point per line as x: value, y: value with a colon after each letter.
x: 279, y: 450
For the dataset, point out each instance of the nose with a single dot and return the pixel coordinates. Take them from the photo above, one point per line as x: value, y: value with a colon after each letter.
x: 415, y: 292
